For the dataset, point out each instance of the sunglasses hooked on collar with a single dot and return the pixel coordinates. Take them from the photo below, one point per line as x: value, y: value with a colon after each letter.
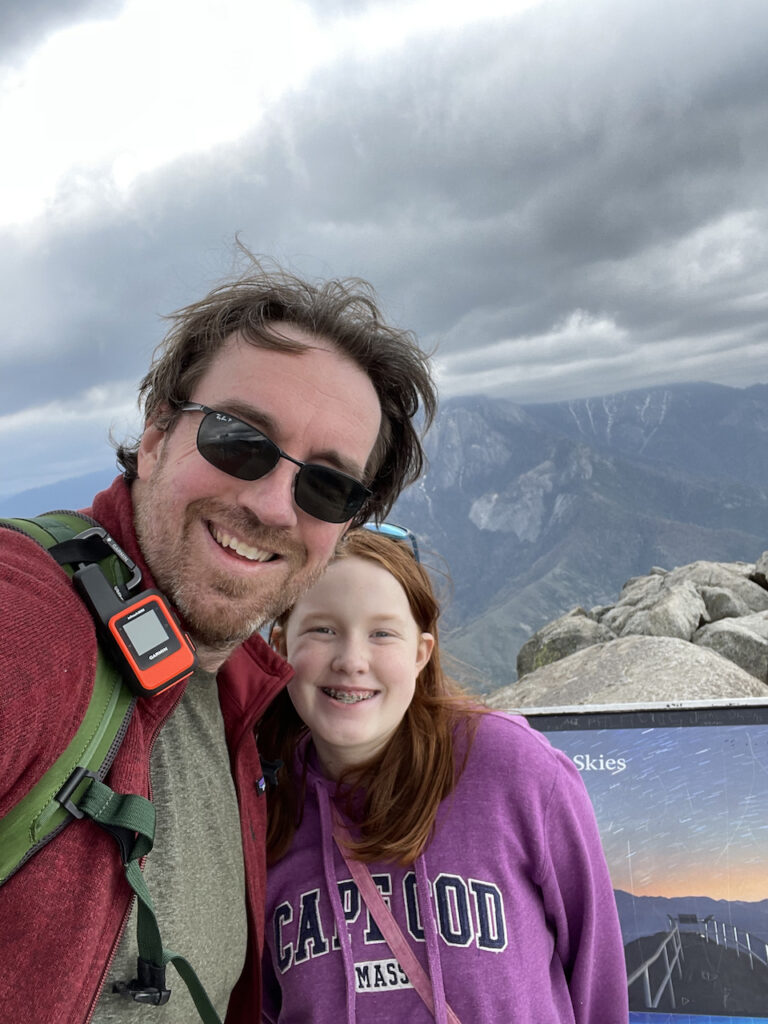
x: 239, y: 449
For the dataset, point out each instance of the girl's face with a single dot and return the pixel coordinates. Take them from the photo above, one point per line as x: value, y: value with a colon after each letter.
x: 357, y: 651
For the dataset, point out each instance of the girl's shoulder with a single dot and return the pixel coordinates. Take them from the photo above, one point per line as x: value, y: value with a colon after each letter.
x: 505, y: 741
x: 509, y: 727
x: 513, y: 775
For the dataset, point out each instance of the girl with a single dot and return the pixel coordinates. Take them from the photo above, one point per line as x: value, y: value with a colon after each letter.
x: 404, y: 810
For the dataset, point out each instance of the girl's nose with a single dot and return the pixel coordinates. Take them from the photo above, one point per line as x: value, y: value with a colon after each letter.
x: 351, y: 657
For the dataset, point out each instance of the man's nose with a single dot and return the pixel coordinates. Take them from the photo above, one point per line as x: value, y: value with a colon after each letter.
x: 270, y: 498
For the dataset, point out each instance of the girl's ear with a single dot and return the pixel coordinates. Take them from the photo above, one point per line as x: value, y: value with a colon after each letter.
x: 277, y: 639
x: 424, y: 650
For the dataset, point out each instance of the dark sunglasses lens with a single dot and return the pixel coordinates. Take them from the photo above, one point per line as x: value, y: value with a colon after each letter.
x: 235, y: 447
x: 328, y: 494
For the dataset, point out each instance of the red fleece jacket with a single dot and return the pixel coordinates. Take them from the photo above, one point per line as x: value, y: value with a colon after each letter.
x: 62, y: 913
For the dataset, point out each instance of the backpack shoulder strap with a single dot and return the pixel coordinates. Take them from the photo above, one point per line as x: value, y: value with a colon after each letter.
x: 53, y: 802
x: 73, y: 787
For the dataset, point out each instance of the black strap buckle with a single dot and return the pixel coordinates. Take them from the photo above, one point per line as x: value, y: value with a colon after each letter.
x: 64, y: 796
x: 149, y: 987
x: 124, y: 837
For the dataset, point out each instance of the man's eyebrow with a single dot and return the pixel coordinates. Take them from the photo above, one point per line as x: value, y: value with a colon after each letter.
x: 243, y: 411
x: 269, y: 426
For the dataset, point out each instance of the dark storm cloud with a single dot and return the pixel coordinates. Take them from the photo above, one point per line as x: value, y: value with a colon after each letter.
x: 568, y: 202
x: 544, y: 167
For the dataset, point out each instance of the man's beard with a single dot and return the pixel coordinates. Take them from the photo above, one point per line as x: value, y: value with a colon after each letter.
x: 226, y: 628
x: 220, y: 610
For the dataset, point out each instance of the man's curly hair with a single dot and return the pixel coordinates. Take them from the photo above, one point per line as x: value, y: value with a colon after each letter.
x: 346, y: 313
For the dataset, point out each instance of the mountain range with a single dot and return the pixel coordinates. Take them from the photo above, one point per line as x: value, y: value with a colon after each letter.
x: 74, y: 492
x: 536, y: 509
x: 527, y: 511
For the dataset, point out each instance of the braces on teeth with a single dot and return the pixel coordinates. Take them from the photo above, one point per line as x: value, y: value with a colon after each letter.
x: 347, y: 698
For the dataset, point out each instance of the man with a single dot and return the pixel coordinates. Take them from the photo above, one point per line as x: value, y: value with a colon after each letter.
x: 277, y: 414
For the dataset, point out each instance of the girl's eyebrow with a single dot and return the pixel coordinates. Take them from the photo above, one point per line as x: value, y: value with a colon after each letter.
x: 384, y: 618
x: 388, y: 622
x: 311, y: 614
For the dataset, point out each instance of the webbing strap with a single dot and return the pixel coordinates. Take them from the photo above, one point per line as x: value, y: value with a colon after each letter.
x: 128, y: 815
x: 388, y: 926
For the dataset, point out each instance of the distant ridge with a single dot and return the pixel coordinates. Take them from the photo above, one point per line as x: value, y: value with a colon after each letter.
x: 537, y: 509
x: 698, y: 428
x: 75, y: 492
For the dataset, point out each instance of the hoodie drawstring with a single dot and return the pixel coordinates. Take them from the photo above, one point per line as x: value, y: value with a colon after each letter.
x: 326, y: 843
x: 426, y: 906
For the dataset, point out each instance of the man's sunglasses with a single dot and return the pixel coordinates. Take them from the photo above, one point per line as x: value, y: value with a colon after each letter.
x: 397, y: 533
x: 239, y: 449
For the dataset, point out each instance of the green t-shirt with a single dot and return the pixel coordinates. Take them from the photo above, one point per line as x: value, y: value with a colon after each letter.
x: 195, y: 871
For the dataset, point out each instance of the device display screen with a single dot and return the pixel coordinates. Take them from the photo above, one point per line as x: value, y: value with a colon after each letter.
x: 145, y: 632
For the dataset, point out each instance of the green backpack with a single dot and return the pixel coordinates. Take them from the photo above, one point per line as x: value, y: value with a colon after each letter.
x: 73, y: 786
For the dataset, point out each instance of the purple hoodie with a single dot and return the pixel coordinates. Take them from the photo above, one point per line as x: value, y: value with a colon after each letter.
x: 519, y: 896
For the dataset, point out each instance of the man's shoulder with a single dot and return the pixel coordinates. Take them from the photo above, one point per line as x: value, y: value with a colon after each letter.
x: 47, y: 660
x: 29, y: 572
x: 35, y: 592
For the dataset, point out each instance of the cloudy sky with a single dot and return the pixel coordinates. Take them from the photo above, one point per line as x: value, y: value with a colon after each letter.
x: 564, y: 197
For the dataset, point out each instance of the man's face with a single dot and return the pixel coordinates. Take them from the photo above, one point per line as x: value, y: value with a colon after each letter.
x: 231, y: 553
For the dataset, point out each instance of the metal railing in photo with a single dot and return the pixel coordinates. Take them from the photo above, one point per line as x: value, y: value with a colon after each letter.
x: 730, y: 937
x: 671, y: 960
x: 721, y: 933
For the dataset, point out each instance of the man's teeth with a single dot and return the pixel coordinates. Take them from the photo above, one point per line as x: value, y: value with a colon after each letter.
x: 346, y: 697
x: 240, y: 547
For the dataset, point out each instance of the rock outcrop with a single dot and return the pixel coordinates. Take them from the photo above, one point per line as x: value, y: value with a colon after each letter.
x: 696, y: 632
x: 630, y: 670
